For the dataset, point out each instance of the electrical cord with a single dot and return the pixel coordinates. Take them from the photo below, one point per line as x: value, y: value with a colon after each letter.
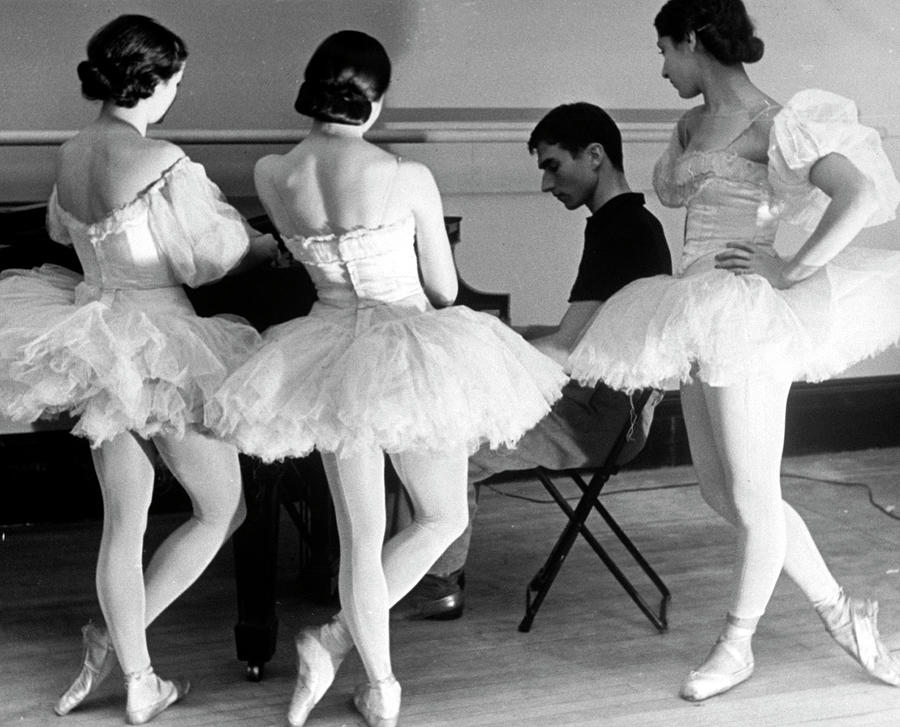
x: 884, y: 509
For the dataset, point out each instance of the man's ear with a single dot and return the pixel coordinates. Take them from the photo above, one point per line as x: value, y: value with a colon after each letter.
x: 597, y: 154
x: 691, y: 40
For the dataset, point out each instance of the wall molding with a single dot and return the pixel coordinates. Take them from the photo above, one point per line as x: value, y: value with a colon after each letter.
x: 437, y: 132
x: 452, y: 125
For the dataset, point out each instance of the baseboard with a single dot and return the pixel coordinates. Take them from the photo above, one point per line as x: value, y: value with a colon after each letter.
x: 831, y: 416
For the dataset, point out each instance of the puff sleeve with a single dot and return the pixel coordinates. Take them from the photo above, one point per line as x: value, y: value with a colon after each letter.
x: 201, y: 235
x: 811, y: 125
x: 55, y: 227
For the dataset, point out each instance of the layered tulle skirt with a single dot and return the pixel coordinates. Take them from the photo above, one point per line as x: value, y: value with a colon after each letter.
x: 138, y: 360
x: 393, y: 377
x: 724, y: 328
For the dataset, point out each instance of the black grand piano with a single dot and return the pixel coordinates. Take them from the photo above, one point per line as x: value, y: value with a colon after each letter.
x: 264, y: 296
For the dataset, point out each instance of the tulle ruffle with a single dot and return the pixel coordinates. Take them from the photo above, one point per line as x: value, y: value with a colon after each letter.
x: 116, y: 365
x: 725, y: 328
x: 399, y: 381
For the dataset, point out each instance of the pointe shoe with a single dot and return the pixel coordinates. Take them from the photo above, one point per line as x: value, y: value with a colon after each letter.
x: 97, y: 661
x: 702, y: 684
x: 316, y: 667
x: 162, y: 693
x: 853, y: 624
x: 379, y: 703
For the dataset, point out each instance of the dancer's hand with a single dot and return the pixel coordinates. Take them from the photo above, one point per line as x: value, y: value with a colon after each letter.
x: 742, y: 258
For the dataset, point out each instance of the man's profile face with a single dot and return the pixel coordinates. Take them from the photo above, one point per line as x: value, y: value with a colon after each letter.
x: 571, y: 179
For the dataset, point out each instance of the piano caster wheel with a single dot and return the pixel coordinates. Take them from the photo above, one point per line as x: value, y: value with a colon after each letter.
x: 254, y: 672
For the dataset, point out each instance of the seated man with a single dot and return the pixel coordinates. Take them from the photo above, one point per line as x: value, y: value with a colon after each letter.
x: 579, y: 150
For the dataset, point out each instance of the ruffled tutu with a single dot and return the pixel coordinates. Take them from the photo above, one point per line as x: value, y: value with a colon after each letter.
x: 385, y: 377
x: 140, y: 360
x: 725, y: 328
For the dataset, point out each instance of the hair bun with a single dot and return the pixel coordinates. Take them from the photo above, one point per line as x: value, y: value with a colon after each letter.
x: 94, y: 83
x: 731, y: 48
x: 755, y: 49
x: 335, y: 101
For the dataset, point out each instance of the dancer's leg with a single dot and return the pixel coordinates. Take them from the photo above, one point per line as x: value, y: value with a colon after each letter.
x: 357, y: 490
x: 803, y: 563
x: 747, y: 422
x: 209, y: 471
x: 125, y: 473
x: 437, y: 486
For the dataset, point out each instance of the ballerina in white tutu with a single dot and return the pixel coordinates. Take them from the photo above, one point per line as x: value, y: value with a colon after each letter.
x: 381, y: 364
x: 122, y: 350
x: 738, y: 323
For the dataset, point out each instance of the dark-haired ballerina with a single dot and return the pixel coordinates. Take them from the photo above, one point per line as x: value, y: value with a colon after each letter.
x: 375, y: 367
x: 738, y: 322
x: 122, y: 350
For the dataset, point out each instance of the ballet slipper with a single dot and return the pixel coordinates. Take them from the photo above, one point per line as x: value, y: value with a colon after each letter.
x: 148, y: 695
x: 852, y: 623
x: 317, y: 665
x: 379, y: 702
x: 97, y: 661
x: 706, y: 682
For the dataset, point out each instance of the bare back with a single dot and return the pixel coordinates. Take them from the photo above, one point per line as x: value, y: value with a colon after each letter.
x: 329, y: 185
x: 106, y: 167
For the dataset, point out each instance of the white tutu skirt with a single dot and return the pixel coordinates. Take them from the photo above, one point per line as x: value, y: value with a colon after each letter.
x: 395, y: 378
x: 725, y: 328
x: 138, y: 360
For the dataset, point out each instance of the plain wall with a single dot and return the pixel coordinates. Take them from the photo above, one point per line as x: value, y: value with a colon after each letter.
x: 482, y: 62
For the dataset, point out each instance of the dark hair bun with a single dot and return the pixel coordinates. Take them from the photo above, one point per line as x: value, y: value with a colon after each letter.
x: 94, y: 84
x: 346, y: 74
x: 730, y: 49
x: 722, y: 26
x: 123, y: 84
x: 127, y: 58
x: 334, y: 101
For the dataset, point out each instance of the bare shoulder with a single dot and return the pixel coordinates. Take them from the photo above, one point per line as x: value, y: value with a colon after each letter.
x: 266, y: 166
x: 153, y: 157
x: 414, y: 173
x: 690, y: 119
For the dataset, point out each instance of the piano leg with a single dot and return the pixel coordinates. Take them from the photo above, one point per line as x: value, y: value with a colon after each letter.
x: 255, y: 563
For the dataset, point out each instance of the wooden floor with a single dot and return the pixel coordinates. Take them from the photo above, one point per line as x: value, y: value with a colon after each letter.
x: 591, y: 658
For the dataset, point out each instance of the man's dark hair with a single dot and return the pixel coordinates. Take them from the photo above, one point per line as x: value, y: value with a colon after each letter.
x: 575, y: 126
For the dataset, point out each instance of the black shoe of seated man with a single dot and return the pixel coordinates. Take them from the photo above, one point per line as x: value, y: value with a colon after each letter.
x: 439, y: 598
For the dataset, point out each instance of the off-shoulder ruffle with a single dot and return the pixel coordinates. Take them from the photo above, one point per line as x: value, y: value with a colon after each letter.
x: 811, y: 125
x: 200, y: 235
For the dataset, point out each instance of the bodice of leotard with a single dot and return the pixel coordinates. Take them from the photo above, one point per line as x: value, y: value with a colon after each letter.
x: 178, y: 230
x: 728, y: 199
x: 362, y: 267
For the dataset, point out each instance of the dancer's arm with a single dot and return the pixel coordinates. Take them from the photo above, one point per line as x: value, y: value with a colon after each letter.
x: 435, y: 259
x: 852, y: 203
x: 558, y: 341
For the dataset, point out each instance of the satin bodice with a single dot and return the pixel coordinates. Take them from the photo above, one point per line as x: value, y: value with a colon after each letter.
x: 118, y: 252
x: 363, y: 267
x: 728, y: 199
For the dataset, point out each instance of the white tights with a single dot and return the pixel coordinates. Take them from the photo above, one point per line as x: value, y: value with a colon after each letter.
x: 131, y: 598
x: 373, y: 574
x: 736, y: 436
